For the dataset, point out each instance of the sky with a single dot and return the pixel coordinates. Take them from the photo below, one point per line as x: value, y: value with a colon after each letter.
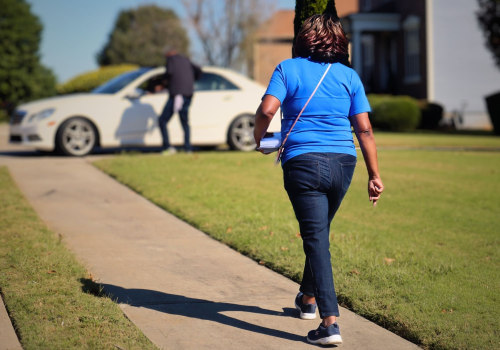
x: 75, y: 30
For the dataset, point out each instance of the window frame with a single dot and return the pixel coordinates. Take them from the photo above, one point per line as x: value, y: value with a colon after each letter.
x: 231, y: 86
x: 412, y: 52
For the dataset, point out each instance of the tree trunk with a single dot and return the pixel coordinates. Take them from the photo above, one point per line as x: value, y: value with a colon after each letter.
x: 306, y: 8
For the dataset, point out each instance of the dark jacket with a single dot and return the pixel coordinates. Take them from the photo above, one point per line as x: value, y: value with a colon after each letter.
x: 180, y: 75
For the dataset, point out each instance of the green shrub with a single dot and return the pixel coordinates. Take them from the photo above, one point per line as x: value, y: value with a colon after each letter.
x: 4, y: 116
x: 394, y: 113
x: 88, y: 81
x: 493, y: 104
x: 432, y: 114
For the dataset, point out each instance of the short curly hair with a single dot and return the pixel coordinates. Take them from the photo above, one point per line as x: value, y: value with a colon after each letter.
x: 322, y: 39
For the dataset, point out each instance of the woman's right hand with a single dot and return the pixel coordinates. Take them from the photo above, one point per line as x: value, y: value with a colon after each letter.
x: 363, y: 129
x: 265, y: 113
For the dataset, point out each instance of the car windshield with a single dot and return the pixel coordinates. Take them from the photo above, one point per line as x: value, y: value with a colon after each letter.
x: 116, y: 84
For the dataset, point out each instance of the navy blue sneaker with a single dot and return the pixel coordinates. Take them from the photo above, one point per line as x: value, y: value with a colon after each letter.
x: 325, y: 336
x: 307, y: 311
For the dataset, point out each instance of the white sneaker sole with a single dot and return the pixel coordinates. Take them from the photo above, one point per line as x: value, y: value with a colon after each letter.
x: 331, y: 340
x: 305, y: 316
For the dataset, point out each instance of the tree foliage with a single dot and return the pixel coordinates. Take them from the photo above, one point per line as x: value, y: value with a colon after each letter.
x: 22, y: 77
x: 306, y: 8
x: 489, y: 20
x: 226, y: 28
x: 141, y: 35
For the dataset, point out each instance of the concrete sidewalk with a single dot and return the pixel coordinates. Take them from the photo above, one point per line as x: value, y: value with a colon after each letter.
x: 183, y: 289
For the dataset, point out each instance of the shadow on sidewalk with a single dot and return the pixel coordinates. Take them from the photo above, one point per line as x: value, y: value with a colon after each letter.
x: 23, y: 153
x: 190, y: 307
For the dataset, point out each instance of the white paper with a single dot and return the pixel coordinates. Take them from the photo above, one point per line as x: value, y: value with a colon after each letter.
x: 178, y: 103
x: 271, y: 143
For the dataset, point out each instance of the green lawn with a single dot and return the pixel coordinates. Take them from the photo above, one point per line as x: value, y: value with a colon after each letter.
x: 431, y: 139
x: 424, y: 263
x: 51, y: 298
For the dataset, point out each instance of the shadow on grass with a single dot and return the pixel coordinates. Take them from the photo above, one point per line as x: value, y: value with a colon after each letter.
x: 191, y: 307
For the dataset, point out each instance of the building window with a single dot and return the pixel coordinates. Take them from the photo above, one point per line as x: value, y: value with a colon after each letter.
x: 411, y: 27
x: 366, y: 5
x: 368, y: 54
x: 369, y: 5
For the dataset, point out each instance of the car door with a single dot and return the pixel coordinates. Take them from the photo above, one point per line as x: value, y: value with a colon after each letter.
x: 139, y: 120
x: 212, y: 108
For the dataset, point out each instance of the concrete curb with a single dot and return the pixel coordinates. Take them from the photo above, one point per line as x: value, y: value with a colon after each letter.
x: 8, y: 337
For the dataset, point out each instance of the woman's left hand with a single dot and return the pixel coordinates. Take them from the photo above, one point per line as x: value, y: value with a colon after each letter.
x: 375, y: 189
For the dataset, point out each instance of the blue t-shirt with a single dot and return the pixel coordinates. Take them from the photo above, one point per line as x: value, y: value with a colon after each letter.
x: 324, y: 125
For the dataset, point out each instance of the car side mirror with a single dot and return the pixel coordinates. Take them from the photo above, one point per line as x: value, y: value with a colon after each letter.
x: 134, y: 95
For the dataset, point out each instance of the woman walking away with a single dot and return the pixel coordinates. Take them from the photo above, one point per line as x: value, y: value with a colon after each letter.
x: 319, y: 155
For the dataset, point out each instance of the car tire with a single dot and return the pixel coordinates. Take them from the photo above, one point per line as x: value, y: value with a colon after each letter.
x: 76, y: 137
x: 240, y: 133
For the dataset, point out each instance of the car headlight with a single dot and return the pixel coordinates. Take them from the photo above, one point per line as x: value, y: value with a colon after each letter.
x: 41, y: 115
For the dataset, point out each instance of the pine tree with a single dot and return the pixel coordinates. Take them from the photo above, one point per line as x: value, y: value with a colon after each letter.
x: 22, y: 77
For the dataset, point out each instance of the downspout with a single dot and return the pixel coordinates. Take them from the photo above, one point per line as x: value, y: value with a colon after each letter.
x: 429, y: 38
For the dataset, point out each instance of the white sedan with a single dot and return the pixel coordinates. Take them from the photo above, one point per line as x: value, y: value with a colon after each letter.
x: 124, y: 112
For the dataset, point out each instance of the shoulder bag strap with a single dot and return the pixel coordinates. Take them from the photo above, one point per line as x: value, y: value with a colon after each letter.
x: 280, y: 150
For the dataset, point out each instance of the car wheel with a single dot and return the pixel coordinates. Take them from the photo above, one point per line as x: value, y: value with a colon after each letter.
x: 240, y: 134
x: 76, y: 137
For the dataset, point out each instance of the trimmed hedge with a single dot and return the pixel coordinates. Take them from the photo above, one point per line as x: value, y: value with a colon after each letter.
x: 394, y: 113
x: 493, y: 104
x: 90, y: 80
x: 432, y: 114
x: 4, y: 116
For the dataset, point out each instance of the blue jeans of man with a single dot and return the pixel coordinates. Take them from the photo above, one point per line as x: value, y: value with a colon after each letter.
x: 166, y: 115
x: 316, y: 183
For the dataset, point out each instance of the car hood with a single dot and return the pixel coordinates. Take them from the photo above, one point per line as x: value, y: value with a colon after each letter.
x: 59, y: 101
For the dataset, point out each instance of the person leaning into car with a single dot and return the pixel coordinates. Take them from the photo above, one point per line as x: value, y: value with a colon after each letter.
x: 180, y: 76
x: 319, y: 156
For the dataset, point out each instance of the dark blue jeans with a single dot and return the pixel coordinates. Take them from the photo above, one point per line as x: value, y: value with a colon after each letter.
x: 166, y: 115
x: 316, y: 184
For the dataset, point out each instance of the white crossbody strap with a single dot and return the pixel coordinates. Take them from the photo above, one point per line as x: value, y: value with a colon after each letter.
x: 280, y: 150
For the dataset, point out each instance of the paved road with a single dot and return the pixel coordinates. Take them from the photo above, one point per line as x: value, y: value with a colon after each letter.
x: 183, y: 289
